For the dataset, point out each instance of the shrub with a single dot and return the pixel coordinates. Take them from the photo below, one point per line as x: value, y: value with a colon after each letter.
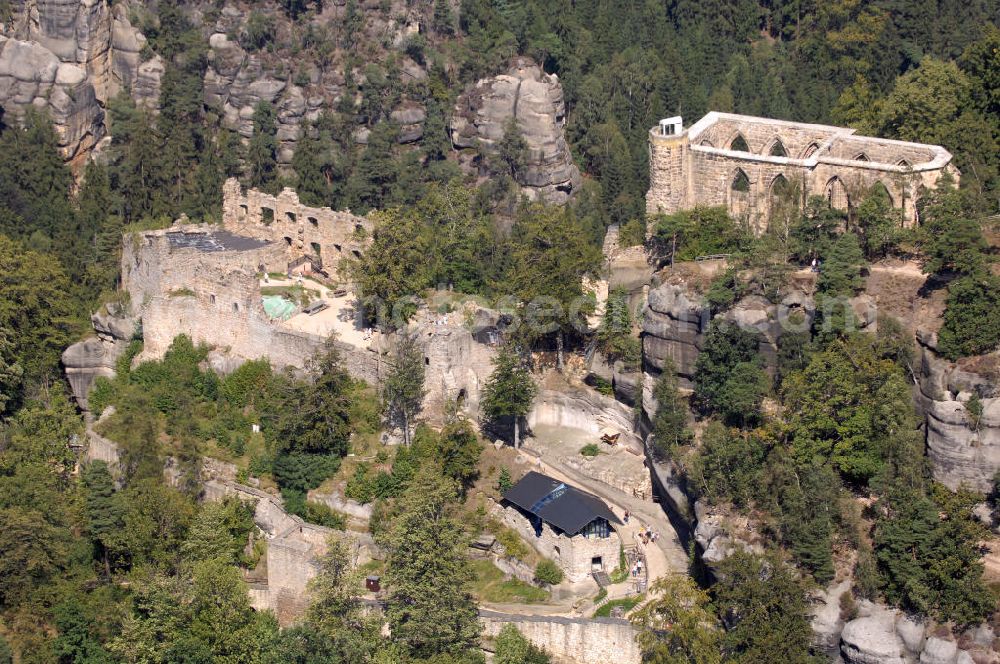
x: 511, y: 542
x: 548, y: 572
x: 504, y: 482
x: 590, y: 450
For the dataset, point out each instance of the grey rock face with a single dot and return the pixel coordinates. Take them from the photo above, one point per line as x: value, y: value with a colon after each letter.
x: 236, y: 81
x: 86, y: 360
x: 31, y: 75
x: 535, y: 100
x: 673, y: 328
x: 872, y: 640
x: 962, y: 450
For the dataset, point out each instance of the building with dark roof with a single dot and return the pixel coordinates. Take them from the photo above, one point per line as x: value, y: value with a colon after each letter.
x: 574, y: 528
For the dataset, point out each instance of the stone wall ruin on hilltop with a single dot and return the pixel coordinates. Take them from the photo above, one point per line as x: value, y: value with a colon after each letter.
x: 747, y: 164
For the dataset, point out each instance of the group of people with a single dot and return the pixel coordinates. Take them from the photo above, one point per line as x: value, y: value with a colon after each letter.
x: 637, y: 568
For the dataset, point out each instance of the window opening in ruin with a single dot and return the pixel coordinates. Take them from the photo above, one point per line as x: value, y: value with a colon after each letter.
x: 879, y: 189
x: 460, y: 399
x: 836, y: 194
x: 739, y: 144
x: 861, y: 156
x: 810, y: 150
x: 267, y: 216
x: 236, y: 307
x: 316, y: 249
x: 357, y: 254
x: 741, y: 182
x: 706, y: 143
x: 783, y: 203
x: 903, y: 163
x: 288, y: 241
x: 313, y: 221
x: 778, y: 149
x: 597, y: 564
x: 338, y: 248
x: 290, y: 216
x: 243, y: 211
x: 427, y: 361
x: 556, y: 553
x: 211, y: 298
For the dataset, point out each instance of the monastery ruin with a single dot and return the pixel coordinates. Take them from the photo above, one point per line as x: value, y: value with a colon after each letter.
x: 751, y: 165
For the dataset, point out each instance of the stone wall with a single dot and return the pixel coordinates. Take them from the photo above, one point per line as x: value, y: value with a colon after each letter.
x: 573, y: 554
x: 321, y: 233
x: 699, y: 166
x: 572, y: 640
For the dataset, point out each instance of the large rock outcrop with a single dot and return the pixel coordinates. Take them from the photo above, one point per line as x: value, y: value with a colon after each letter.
x: 535, y: 100
x: 70, y: 57
x: 96, y: 356
x: 236, y: 81
x: 32, y: 76
x: 673, y: 328
x: 964, y: 448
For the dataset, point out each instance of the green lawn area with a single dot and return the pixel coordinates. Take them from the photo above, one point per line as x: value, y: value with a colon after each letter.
x: 629, y: 603
x: 489, y: 585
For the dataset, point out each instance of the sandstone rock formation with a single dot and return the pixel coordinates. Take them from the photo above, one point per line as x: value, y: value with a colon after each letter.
x: 535, y: 100
x: 673, y: 328
x: 964, y: 449
x: 69, y: 57
x: 31, y: 75
x: 96, y: 356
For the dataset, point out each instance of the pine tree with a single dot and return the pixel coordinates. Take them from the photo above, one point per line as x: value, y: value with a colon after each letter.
x: 429, y: 610
x: 509, y: 392
x: 670, y: 429
x: 403, y: 388
x: 103, y: 516
x: 262, y: 161
x: 444, y: 21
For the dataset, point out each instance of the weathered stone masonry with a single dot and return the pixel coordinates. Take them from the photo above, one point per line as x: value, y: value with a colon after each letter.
x: 745, y: 162
x: 321, y: 233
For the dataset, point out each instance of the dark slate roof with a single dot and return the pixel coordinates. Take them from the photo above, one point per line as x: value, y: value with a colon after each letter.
x: 562, y: 505
x: 211, y: 241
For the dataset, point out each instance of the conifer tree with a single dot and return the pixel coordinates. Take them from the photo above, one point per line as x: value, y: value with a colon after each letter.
x: 403, y: 388
x: 429, y: 610
x: 103, y: 516
x: 262, y: 160
x: 510, y: 391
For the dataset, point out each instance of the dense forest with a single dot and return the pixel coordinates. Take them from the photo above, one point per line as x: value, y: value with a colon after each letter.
x: 96, y: 570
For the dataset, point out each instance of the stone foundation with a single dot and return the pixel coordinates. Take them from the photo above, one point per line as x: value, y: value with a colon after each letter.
x: 572, y: 640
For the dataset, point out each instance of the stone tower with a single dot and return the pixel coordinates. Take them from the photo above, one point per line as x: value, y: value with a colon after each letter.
x: 668, y: 173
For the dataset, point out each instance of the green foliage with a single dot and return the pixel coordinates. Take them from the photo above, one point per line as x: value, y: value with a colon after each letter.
x: 765, y: 607
x: 625, y: 603
x: 729, y: 375
x: 729, y: 465
x: 262, y: 161
x: 927, y: 556
x: 403, y: 387
x: 881, y: 224
x: 246, y: 384
x: 678, y: 625
x: 513, y: 648
x: 548, y: 572
x: 971, y: 309
x: 590, y: 450
x: 615, y: 336
x: 848, y: 403
x: 816, y: 231
x: 840, y: 274
x: 504, y: 481
x: 219, y: 532
x: 701, y: 231
x: 670, y: 430
x: 428, y: 608
x: 509, y: 391
x: 953, y: 239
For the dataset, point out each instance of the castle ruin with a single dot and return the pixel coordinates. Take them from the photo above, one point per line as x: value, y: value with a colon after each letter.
x: 751, y: 165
